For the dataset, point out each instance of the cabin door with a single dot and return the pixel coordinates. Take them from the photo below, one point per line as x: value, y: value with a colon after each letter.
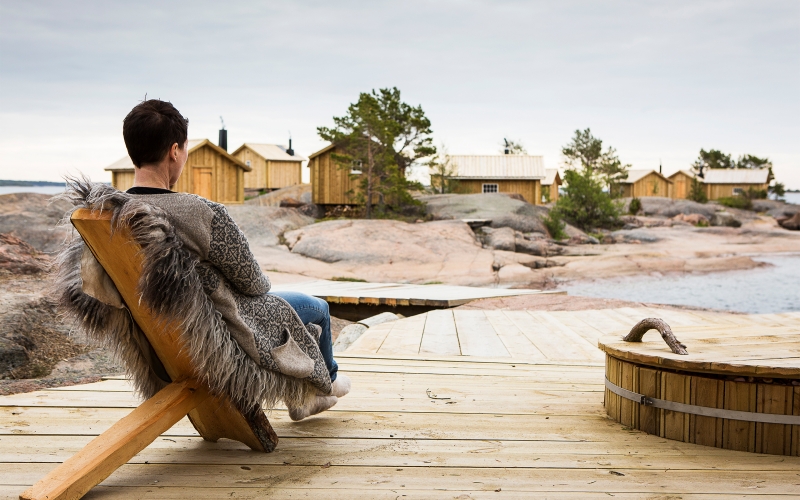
x: 202, y: 182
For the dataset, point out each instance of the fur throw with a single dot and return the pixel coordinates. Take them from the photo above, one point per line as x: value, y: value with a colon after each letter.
x: 289, y: 365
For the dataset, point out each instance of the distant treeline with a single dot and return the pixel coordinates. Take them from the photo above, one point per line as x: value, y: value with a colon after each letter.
x: 4, y: 182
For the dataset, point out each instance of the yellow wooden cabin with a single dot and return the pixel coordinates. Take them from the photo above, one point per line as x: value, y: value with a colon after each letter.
x: 724, y: 182
x: 550, y: 185
x: 209, y: 172
x: 331, y: 184
x: 518, y: 174
x: 682, y: 184
x: 643, y: 183
x: 273, y: 166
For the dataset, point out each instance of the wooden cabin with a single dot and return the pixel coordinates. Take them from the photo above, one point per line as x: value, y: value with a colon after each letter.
x: 643, y: 183
x: 209, y: 172
x: 519, y: 174
x: 550, y: 185
x: 273, y: 166
x: 724, y: 182
x: 682, y: 184
x: 331, y: 184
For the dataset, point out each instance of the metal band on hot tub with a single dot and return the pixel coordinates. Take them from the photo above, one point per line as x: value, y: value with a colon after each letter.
x: 705, y: 411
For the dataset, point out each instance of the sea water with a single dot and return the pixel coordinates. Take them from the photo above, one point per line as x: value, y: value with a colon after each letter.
x: 32, y: 189
x: 773, y: 288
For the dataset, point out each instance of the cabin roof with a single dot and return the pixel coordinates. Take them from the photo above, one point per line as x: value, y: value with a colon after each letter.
x: 637, y: 175
x: 497, y: 167
x: 736, y: 176
x: 271, y: 152
x: 684, y: 172
x: 550, y: 176
x: 126, y: 164
x: 321, y: 151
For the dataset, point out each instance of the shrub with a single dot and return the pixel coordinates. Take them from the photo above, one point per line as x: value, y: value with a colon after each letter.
x: 554, y: 225
x: 697, y: 192
x: 738, y: 201
x: 635, y: 206
x: 585, y: 204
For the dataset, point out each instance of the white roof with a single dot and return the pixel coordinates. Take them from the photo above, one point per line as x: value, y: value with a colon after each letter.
x: 274, y: 152
x: 736, y: 176
x: 549, y: 176
x: 122, y: 164
x: 498, y: 167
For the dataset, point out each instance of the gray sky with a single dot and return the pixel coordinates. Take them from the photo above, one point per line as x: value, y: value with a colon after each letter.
x: 656, y: 80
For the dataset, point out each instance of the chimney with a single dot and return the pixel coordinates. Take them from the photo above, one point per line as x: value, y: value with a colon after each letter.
x: 507, y: 150
x: 659, y: 167
x: 223, y: 136
x: 290, y: 151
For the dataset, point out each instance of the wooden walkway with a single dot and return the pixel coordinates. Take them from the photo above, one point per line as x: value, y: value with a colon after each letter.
x: 413, y: 427
x: 555, y: 337
x: 400, y: 294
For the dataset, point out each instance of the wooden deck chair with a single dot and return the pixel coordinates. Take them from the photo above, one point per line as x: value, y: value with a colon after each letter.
x: 213, y: 417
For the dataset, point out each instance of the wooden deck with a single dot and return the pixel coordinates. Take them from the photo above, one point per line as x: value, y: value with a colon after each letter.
x: 420, y: 426
x: 556, y: 337
x: 356, y: 300
x: 411, y: 428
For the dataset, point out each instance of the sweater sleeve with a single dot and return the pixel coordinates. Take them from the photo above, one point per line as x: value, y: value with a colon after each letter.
x: 230, y: 253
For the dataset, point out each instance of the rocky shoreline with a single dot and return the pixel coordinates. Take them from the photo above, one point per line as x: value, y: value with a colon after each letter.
x: 478, y: 240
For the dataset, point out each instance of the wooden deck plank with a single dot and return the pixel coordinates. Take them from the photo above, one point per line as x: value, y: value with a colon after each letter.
x: 440, y: 335
x: 264, y: 478
x: 371, y: 340
x: 578, y: 325
x: 542, y: 336
x: 566, y: 335
x: 405, y: 336
x: 409, y: 452
x: 517, y: 344
x: 477, y: 336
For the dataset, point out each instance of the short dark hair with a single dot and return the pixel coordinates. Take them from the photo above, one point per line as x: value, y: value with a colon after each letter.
x: 151, y: 128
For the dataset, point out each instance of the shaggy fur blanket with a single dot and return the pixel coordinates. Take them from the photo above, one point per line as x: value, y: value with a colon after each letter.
x: 172, y: 288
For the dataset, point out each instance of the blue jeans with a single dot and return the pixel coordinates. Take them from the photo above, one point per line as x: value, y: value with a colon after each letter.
x: 314, y: 310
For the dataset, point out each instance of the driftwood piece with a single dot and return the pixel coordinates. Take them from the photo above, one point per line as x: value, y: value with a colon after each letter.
x: 647, y: 324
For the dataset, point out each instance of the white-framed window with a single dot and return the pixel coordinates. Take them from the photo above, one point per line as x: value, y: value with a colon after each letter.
x: 491, y: 188
x: 738, y: 191
x: 247, y: 163
x: 355, y: 167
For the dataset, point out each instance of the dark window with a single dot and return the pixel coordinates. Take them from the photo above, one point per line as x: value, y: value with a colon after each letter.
x: 491, y: 188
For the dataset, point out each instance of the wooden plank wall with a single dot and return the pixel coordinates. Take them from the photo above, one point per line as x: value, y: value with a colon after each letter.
x: 649, y: 185
x: 256, y: 178
x: 682, y: 183
x: 531, y: 190
x: 717, y: 191
x: 269, y: 174
x: 281, y: 174
x: 329, y: 182
x: 227, y: 179
x: 122, y: 180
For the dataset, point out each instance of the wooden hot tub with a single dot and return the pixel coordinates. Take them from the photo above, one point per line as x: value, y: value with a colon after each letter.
x: 737, y: 389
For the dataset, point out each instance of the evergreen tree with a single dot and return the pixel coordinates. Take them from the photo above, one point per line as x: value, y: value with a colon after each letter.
x: 585, y: 151
x: 385, y: 136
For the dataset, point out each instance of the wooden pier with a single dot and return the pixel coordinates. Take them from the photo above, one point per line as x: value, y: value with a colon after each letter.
x: 419, y: 425
x: 355, y: 301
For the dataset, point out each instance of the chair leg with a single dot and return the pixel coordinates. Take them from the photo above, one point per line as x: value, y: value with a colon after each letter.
x: 113, y: 448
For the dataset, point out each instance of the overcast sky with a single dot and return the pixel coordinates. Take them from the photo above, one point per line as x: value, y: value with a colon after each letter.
x: 656, y: 80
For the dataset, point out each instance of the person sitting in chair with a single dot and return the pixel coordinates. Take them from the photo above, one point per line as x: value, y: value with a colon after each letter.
x: 155, y: 135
